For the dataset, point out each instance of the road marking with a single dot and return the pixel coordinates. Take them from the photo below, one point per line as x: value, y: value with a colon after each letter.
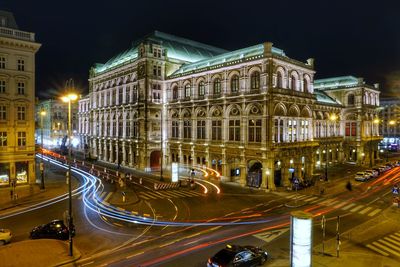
x: 311, y: 199
x: 397, y: 234
x: 348, y: 206
x: 357, y: 208
x: 108, y: 196
x: 377, y: 250
x: 148, y: 196
x: 270, y: 235
x: 87, y: 263
x: 396, y: 251
x: 395, y: 237
x: 391, y: 241
x: 102, y: 194
x: 326, y: 202
x: 290, y: 196
x: 333, y: 203
x: 365, y: 210
x: 374, y: 212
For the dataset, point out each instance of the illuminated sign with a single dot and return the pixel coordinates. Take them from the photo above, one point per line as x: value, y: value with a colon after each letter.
x: 174, y: 172
x: 300, y: 239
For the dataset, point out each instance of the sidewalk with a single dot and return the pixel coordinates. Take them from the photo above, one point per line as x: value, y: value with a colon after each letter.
x: 37, y: 253
x: 55, y: 185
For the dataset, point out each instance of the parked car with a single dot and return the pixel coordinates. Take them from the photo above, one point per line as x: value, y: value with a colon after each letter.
x: 361, y: 176
x: 378, y: 170
x: 5, y: 236
x: 233, y: 255
x: 372, y: 173
x: 54, y: 230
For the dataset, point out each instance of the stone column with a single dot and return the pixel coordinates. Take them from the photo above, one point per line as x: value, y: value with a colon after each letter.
x: 111, y: 156
x: 123, y: 154
x: 105, y: 152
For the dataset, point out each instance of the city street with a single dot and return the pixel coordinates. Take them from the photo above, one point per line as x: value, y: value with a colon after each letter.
x: 206, y: 222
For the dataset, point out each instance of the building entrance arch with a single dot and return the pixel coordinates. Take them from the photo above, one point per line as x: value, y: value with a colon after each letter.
x: 155, y: 159
x: 254, y: 173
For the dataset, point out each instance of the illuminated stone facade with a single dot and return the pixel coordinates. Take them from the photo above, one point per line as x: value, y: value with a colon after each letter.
x: 17, y: 102
x: 254, y: 114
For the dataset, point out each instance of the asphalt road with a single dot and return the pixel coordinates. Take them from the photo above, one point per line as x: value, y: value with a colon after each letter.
x: 107, y: 241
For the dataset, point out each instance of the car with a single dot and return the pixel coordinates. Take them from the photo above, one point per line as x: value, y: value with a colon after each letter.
x: 378, y: 170
x: 372, y: 173
x: 5, y: 236
x: 233, y: 255
x: 55, y: 229
x: 361, y: 176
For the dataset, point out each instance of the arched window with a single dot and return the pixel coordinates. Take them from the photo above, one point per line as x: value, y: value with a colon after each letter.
x: 293, y: 84
x: 350, y: 100
x: 235, y: 84
x: 202, y: 88
x: 187, y: 90
x: 217, y: 86
x: 279, y: 80
x: 255, y: 80
x: 305, y: 85
x: 175, y: 92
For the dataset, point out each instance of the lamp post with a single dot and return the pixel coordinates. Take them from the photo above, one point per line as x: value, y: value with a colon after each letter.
x: 375, y: 121
x: 68, y: 99
x: 42, y: 114
x: 332, y: 118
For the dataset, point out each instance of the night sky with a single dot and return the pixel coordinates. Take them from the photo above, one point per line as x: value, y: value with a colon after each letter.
x: 360, y: 38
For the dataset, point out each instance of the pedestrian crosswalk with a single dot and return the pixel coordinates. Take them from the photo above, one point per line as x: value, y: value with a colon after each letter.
x: 337, y: 204
x: 148, y: 195
x: 387, y: 245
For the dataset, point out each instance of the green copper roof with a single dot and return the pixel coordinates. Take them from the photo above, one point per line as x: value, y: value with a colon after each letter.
x: 247, y: 52
x: 336, y: 82
x: 324, y: 98
x: 176, y: 48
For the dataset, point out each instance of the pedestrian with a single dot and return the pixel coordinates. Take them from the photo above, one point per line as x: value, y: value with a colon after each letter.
x: 11, y: 194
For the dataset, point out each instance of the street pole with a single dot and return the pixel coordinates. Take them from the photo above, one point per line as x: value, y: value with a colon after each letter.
x: 70, y: 224
x: 337, y: 237
x: 41, y: 141
x: 161, y: 144
x: 323, y: 223
x: 326, y: 151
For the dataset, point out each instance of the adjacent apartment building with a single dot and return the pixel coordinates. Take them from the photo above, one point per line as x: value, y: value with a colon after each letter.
x: 255, y: 115
x: 17, y: 102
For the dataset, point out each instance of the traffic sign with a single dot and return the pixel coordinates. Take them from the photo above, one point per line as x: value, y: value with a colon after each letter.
x: 395, y: 190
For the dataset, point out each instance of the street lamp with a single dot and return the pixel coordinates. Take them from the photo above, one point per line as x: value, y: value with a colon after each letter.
x: 375, y: 121
x: 69, y: 99
x: 42, y: 114
x: 333, y: 119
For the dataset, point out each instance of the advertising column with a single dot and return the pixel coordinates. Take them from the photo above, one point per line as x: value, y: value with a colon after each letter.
x: 300, y: 239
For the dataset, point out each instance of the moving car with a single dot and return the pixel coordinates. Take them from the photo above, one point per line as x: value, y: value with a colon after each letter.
x: 54, y: 230
x: 362, y: 176
x: 238, y: 256
x: 5, y: 236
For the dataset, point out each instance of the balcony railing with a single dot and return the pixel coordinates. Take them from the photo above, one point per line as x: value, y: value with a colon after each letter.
x: 17, y: 34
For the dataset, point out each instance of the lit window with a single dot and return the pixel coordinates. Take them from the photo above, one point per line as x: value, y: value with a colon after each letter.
x: 187, y: 129
x: 3, y: 113
x: 201, y: 129
x: 217, y: 86
x: 21, y: 88
x: 21, y: 113
x: 216, y: 130
x: 21, y: 65
x: 255, y: 130
x: 234, y: 130
x: 235, y: 84
x: 202, y: 89
x: 2, y: 62
x: 21, y: 138
x: 2, y: 86
x: 187, y: 90
x: 175, y: 129
x: 3, y: 139
x: 255, y: 80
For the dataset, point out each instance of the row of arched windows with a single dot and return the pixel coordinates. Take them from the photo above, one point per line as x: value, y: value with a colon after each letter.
x: 217, y: 87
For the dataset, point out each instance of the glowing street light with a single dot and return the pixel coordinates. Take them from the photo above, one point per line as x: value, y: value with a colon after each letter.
x: 69, y: 98
x: 333, y: 117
